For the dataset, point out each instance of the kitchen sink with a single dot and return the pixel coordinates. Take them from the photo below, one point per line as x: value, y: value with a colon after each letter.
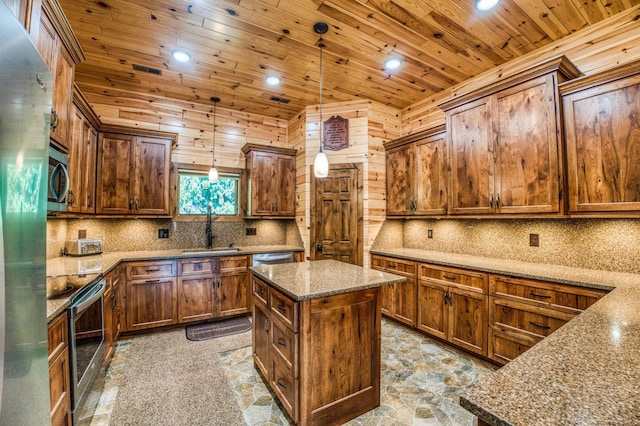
x: 221, y: 250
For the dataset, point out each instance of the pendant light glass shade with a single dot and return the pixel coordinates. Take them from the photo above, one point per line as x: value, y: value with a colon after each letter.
x: 321, y: 162
x: 213, y: 173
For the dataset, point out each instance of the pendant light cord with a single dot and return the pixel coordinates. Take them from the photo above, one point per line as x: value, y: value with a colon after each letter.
x: 321, y: 44
x: 213, y: 150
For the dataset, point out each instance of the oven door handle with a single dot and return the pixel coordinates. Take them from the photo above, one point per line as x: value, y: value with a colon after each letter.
x: 89, y: 299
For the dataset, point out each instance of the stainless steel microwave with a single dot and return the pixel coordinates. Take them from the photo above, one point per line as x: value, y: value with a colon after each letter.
x: 58, y: 181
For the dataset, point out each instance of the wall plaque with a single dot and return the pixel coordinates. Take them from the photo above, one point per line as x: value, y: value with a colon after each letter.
x: 336, y: 133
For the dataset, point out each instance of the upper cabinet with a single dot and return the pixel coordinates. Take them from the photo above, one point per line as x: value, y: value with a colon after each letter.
x: 60, y: 50
x: 602, y: 125
x: 505, y: 144
x: 133, y: 174
x: 271, y: 181
x: 417, y: 174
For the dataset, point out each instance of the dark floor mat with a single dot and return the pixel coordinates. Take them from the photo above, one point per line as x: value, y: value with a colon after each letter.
x: 212, y: 330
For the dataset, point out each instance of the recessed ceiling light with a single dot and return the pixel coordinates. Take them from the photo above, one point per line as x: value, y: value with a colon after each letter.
x: 392, y: 63
x: 181, y: 55
x: 272, y: 80
x: 485, y: 4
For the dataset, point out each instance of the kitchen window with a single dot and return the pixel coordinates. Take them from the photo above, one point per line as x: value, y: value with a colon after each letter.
x: 195, y: 193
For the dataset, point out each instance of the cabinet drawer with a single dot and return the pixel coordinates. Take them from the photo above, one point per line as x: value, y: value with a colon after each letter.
x: 557, y: 296
x: 393, y: 265
x: 285, y: 386
x: 142, y: 270
x: 284, y: 343
x: 285, y: 309
x: 505, y: 347
x: 260, y: 291
x: 233, y: 262
x: 57, y: 335
x: 196, y: 266
x: 460, y: 278
x: 533, y: 321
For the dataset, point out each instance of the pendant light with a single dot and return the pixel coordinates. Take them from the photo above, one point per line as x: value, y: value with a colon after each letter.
x: 213, y: 173
x: 321, y: 162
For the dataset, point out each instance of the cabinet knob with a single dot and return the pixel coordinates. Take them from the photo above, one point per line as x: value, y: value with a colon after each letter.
x: 282, y: 342
x: 281, y: 383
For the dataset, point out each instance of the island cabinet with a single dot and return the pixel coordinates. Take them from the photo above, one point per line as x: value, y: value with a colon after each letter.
x: 271, y: 181
x: 603, y: 144
x: 59, y: 375
x: 398, y: 299
x: 416, y: 169
x: 151, y: 296
x: 505, y: 144
x: 453, y: 305
x: 61, y: 51
x: 522, y: 312
x: 133, y: 174
x: 316, y: 338
x: 213, y: 287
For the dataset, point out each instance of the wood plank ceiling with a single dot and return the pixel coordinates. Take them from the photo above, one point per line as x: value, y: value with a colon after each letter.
x: 236, y: 43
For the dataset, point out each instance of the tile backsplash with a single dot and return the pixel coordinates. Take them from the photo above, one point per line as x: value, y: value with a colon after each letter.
x: 606, y: 244
x: 142, y: 234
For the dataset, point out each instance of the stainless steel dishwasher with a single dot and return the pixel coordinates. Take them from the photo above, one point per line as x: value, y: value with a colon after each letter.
x: 272, y: 258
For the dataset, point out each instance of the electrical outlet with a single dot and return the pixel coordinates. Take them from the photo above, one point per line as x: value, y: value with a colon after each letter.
x: 82, y: 233
x: 534, y: 240
x: 430, y: 233
x: 163, y: 233
x: 252, y: 231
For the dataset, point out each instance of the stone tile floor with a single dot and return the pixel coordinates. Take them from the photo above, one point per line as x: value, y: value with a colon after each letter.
x: 421, y: 380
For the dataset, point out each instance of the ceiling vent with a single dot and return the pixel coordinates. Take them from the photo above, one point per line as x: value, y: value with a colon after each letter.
x: 281, y: 100
x: 149, y: 70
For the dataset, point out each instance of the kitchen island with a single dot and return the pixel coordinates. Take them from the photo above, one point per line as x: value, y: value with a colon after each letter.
x: 316, y: 337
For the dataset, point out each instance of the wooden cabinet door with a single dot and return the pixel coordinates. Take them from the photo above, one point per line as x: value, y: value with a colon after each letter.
x: 261, y: 338
x: 285, y: 194
x: 472, y: 162
x: 62, y: 96
x: 151, y: 166
x: 151, y: 303
x: 404, y: 301
x: 59, y: 377
x: 108, y: 321
x: 386, y: 304
x: 401, y: 180
x: 527, y: 174
x: 89, y: 159
x: 468, y: 320
x: 21, y: 9
x: 195, y: 298
x: 262, y: 179
x: 233, y: 296
x: 114, y: 170
x: 433, y: 311
x: 76, y: 163
x: 431, y: 176
x: 603, y: 147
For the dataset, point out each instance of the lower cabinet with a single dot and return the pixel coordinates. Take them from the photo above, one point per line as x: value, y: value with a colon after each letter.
x: 151, y: 294
x: 59, y: 376
x: 453, y: 306
x: 233, y: 294
x: 113, y: 297
x: 399, y: 299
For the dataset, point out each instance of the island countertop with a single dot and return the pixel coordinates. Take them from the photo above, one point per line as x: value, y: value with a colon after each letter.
x: 321, y: 278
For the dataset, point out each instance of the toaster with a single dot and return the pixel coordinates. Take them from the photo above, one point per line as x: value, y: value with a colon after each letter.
x: 82, y: 247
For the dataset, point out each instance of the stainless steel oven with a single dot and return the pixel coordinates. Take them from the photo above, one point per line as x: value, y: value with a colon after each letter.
x: 86, y: 341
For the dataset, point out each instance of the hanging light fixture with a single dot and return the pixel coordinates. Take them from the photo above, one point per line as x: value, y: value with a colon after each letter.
x: 213, y: 173
x: 321, y: 162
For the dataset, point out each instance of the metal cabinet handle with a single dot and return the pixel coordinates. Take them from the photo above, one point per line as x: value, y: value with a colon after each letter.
x: 542, y: 296
x: 113, y: 302
x: 535, y: 324
x: 152, y: 281
x: 130, y: 203
x: 282, y: 342
x: 392, y: 265
x: 89, y: 202
x: 281, y: 308
x: 41, y: 84
x: 266, y: 325
x: 55, y: 120
x: 153, y: 270
x: 491, y: 200
x: 260, y: 291
x: 281, y: 383
x: 450, y: 277
x: 497, y: 200
x: 137, y: 204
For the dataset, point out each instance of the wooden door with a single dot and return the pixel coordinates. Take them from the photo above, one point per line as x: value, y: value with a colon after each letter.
x: 76, y: 161
x: 431, y: 175
x: 114, y: 170
x: 401, y: 180
x: 195, y: 298
x: 151, y: 303
x: 527, y: 174
x: 233, y: 296
x: 386, y: 303
x: 285, y: 194
x: 472, y: 163
x: 260, y: 343
x: 152, y: 164
x: 468, y: 320
x: 336, y: 216
x: 433, y: 311
x: 262, y: 183
x: 603, y: 147
x: 404, y: 301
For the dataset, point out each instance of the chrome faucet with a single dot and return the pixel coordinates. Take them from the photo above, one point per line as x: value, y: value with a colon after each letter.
x: 208, y: 229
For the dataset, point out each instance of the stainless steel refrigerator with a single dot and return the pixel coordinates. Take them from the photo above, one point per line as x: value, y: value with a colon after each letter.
x: 25, y: 107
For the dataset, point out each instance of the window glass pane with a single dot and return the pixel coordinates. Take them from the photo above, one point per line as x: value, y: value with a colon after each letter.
x: 196, y: 192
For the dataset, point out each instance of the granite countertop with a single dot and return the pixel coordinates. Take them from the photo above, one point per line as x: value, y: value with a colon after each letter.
x: 321, y: 278
x: 584, y: 373
x: 101, y: 264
